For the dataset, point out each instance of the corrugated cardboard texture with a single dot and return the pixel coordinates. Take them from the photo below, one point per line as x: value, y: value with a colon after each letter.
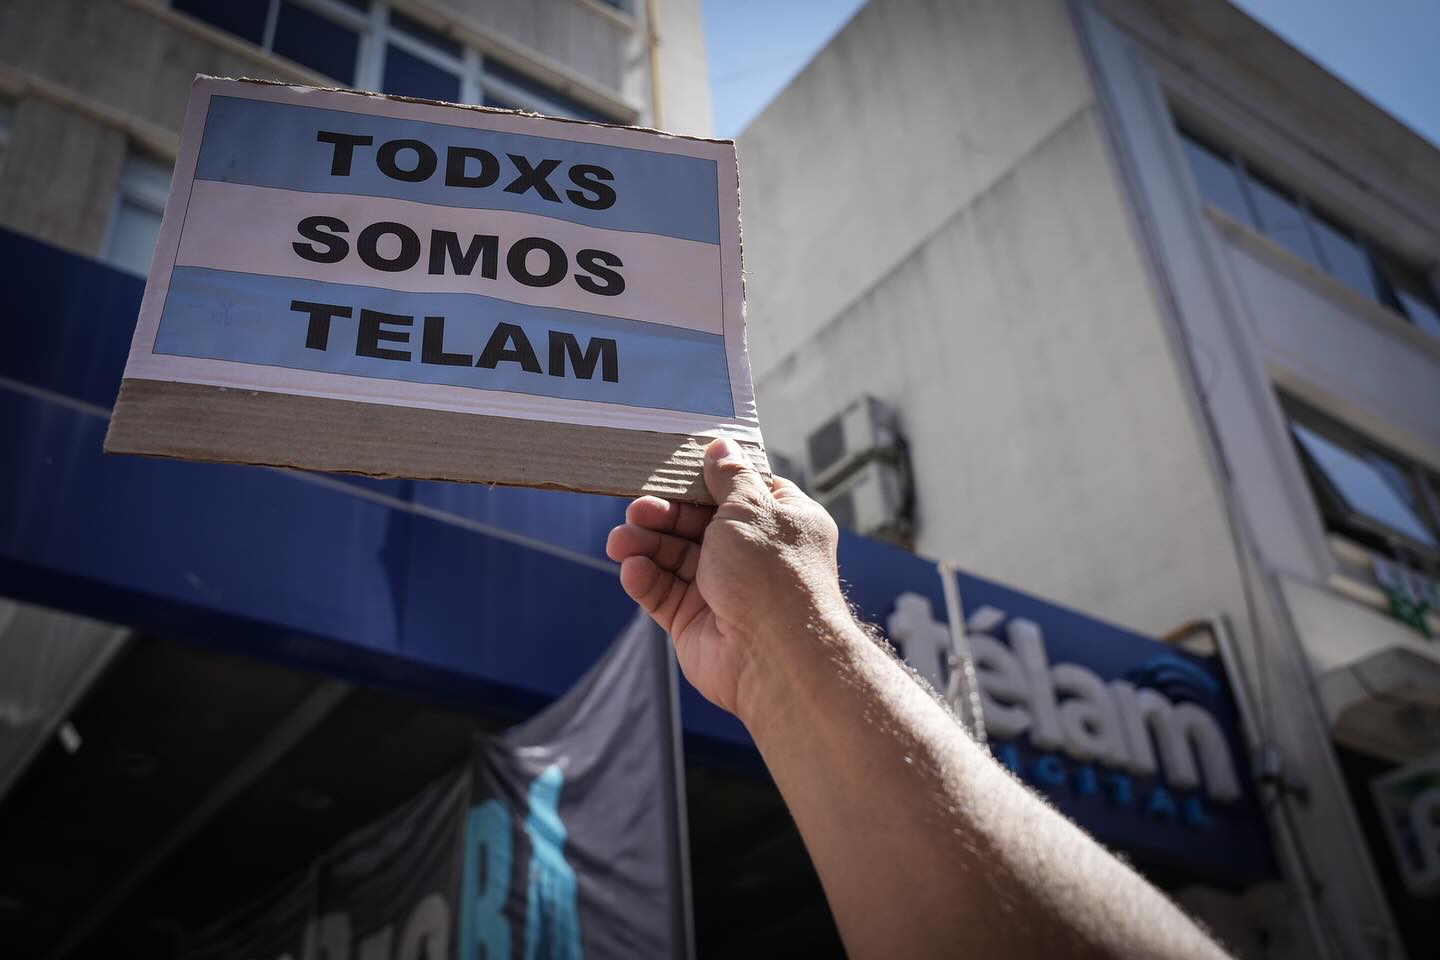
x: 197, y: 422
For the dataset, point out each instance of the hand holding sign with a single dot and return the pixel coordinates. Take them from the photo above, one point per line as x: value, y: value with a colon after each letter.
x: 727, y: 583
x: 355, y: 283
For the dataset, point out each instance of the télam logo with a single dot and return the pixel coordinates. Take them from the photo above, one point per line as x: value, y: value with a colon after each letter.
x: 1127, y: 723
x: 1152, y: 722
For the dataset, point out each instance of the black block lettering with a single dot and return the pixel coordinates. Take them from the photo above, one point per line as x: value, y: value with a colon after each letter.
x: 528, y: 177
x: 345, y: 144
x: 366, y: 244
x: 445, y: 245
x: 601, y: 350
x: 336, y: 247
x: 605, y: 282
x: 432, y: 348
x: 593, y: 194
x: 498, y: 349
x: 425, y: 160
x: 517, y: 262
x: 317, y: 330
x: 367, y: 344
x: 456, y: 159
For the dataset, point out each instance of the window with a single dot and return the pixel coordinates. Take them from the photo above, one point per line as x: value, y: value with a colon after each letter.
x: 1366, y: 492
x: 512, y: 86
x: 1227, y: 182
x: 1411, y: 297
x: 1369, y: 485
x: 1217, y: 177
x: 407, y: 75
x: 1282, y: 219
x: 422, y: 62
x: 316, y: 41
x: 409, y: 58
x: 323, y: 35
x: 1346, y: 257
x: 431, y: 38
x: 245, y: 20
x: 135, y: 223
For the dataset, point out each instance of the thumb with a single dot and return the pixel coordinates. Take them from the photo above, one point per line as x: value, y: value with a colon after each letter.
x: 730, y: 477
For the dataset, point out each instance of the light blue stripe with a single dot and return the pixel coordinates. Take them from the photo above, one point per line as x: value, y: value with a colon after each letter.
x: 220, y: 315
x: 273, y: 145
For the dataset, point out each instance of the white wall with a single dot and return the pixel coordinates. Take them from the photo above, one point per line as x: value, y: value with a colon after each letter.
x: 990, y: 287
x: 911, y: 112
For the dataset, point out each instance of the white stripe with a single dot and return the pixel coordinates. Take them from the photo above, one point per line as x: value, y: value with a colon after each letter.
x: 252, y: 229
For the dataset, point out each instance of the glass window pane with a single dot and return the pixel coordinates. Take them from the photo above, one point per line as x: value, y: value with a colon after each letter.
x: 1216, y: 179
x: 144, y: 179
x: 490, y: 101
x: 1282, y: 220
x: 1422, y: 313
x: 316, y: 42
x: 566, y: 105
x: 1366, y: 489
x: 1345, y: 258
x: 244, y: 18
x: 426, y: 35
x: 132, y: 238
x: 406, y: 75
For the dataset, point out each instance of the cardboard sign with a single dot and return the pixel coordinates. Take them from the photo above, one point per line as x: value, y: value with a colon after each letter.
x: 356, y: 283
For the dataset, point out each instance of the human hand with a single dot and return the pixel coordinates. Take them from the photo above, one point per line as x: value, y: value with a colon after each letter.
x: 727, y: 581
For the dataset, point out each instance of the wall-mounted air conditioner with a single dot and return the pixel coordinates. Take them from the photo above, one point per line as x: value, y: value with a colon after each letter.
x: 863, y: 431
x: 871, y: 501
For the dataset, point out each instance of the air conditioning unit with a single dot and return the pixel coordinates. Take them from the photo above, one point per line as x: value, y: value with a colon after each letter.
x: 871, y: 501
x: 863, y: 431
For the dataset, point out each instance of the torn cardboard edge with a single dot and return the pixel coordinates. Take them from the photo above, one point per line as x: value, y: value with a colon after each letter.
x: 477, y: 107
x: 224, y: 425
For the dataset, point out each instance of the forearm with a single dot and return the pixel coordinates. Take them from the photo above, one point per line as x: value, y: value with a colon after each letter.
x: 921, y: 840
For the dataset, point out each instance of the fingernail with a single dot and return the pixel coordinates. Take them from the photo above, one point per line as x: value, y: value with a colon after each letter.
x: 722, y: 449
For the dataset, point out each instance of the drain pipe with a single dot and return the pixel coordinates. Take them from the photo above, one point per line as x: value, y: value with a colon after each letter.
x: 652, y: 43
x: 1268, y: 770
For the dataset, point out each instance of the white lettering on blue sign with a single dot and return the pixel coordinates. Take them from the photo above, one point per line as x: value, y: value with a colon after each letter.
x: 1068, y: 708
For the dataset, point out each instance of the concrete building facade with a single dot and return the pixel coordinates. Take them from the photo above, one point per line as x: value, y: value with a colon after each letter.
x: 92, y: 95
x: 1154, y: 299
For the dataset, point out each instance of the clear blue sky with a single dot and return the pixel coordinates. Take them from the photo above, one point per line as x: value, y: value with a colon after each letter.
x: 1389, y: 50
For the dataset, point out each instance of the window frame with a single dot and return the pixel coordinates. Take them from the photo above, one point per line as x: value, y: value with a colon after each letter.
x: 1237, y: 171
x: 1335, y: 514
x: 376, y: 33
x: 1257, y: 177
x: 346, y: 16
x: 1387, y: 269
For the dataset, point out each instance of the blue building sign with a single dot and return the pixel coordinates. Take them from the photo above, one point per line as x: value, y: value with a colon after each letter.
x: 463, y: 592
x: 1137, y: 741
